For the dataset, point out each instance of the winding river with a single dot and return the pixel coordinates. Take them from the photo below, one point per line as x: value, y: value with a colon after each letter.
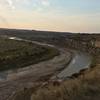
x: 80, y: 61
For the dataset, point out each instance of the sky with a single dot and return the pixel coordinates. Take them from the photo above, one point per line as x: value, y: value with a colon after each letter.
x: 51, y: 15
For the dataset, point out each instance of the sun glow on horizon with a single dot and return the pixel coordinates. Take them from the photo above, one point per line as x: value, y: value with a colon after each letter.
x: 52, y: 15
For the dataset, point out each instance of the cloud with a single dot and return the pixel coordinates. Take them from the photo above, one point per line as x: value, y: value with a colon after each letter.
x: 15, y: 4
x: 7, y: 4
x: 45, y: 2
x: 4, y: 21
x: 10, y: 3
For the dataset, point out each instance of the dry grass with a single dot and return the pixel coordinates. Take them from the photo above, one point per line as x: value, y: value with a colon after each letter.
x: 85, y: 87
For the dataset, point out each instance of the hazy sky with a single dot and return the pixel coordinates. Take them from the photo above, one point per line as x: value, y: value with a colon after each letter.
x: 54, y: 15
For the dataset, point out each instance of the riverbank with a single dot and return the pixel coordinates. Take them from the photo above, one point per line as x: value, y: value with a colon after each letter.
x: 81, y: 86
x: 43, y: 87
x: 30, y: 75
x: 86, y: 86
x: 80, y: 61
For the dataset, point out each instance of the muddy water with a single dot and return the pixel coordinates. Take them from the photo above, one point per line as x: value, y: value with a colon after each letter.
x: 80, y: 61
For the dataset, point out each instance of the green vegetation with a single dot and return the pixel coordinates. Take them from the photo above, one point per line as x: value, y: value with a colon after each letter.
x: 17, y: 54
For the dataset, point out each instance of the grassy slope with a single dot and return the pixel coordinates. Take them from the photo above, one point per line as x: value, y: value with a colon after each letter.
x: 17, y: 54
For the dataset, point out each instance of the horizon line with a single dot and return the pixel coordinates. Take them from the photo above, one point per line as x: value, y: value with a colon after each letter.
x: 28, y: 29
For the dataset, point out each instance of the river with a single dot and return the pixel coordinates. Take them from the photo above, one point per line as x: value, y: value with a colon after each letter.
x: 79, y: 62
